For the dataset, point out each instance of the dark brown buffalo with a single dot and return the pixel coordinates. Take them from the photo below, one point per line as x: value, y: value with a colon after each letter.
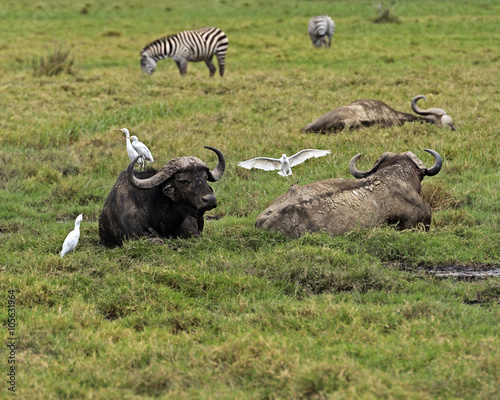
x: 387, y: 193
x: 363, y: 113
x: 170, y: 202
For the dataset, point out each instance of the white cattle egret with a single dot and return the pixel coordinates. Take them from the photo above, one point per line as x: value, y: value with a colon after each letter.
x: 72, y: 239
x: 132, y: 154
x: 141, y: 149
x: 284, y: 164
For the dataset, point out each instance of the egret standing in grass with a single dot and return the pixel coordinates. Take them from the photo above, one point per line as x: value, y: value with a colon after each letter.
x: 285, y: 163
x: 141, y: 150
x: 132, y: 154
x: 71, y: 240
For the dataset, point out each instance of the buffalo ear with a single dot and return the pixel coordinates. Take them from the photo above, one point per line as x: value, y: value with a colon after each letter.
x: 169, y: 191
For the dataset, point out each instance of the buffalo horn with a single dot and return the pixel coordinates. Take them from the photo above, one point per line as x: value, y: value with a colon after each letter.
x: 437, y: 165
x: 173, y: 167
x: 215, y: 174
x: 429, y: 111
x: 362, y: 174
x: 161, y: 176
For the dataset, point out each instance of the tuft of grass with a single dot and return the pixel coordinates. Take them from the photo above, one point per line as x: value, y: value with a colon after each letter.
x: 56, y: 62
x: 385, y: 14
x: 439, y: 197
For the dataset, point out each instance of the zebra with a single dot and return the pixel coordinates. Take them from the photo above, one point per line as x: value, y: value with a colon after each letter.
x: 320, y: 28
x: 197, y: 45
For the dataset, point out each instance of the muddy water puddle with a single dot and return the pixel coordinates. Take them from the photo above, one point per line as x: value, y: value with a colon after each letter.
x: 465, y: 271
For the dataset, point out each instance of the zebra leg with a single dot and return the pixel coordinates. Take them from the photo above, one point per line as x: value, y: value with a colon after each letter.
x: 183, y: 66
x: 210, y: 65
x: 220, y: 59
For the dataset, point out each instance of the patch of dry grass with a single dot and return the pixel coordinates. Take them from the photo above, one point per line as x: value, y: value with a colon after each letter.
x: 56, y: 62
x: 439, y: 197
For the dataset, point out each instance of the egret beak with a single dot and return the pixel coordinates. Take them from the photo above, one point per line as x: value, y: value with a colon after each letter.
x: 128, y: 137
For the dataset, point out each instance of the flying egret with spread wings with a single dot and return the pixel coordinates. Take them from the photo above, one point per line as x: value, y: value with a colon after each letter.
x: 141, y: 150
x: 72, y: 239
x: 285, y: 163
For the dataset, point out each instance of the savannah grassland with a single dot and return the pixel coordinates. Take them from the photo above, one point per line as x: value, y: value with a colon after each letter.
x: 240, y: 313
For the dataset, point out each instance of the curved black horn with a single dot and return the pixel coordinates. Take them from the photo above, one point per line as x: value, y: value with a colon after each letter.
x: 161, y: 176
x: 414, y: 105
x: 363, y: 174
x: 354, y: 170
x: 215, y: 174
x: 429, y: 111
x: 437, y: 164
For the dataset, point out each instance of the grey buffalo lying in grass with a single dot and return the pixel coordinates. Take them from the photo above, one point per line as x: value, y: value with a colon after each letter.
x: 363, y: 113
x: 170, y: 202
x: 387, y: 193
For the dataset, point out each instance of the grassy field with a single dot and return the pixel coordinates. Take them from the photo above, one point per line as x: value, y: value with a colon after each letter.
x: 241, y: 313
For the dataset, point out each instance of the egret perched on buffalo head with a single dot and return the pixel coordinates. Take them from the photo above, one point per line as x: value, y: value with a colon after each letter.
x: 142, y: 150
x: 284, y: 164
x: 72, y: 239
x: 132, y: 154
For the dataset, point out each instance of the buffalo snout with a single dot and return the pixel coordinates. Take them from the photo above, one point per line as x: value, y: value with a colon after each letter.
x: 209, y: 201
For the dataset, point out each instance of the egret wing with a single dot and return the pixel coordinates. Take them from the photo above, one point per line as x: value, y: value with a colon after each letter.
x: 132, y: 154
x: 70, y: 242
x: 149, y: 156
x: 142, y: 149
x: 265, y: 163
x: 303, y: 155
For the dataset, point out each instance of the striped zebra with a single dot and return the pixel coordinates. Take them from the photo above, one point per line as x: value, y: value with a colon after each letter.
x: 320, y: 28
x: 198, y: 45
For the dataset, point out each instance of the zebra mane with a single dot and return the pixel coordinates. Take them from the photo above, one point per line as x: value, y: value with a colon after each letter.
x: 157, y: 41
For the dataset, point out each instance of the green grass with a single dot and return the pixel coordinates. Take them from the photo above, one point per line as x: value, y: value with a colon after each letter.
x: 240, y: 313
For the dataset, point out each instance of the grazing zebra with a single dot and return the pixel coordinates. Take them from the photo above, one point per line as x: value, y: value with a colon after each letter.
x: 199, y: 45
x: 320, y: 28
